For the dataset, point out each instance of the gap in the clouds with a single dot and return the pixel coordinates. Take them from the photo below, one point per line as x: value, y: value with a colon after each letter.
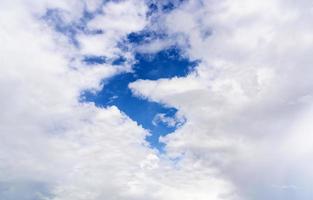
x: 164, y: 64
x: 145, y: 36
x: 56, y: 18
x: 156, y: 6
x: 98, y: 60
x: 94, y: 60
x: 167, y: 63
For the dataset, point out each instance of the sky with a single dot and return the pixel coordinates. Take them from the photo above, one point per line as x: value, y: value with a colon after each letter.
x: 156, y: 100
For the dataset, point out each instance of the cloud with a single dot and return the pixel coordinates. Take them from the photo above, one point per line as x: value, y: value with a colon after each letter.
x: 247, y: 105
x: 55, y: 147
x: 175, y: 121
x: 116, y: 21
x: 47, y: 134
x: 244, y: 103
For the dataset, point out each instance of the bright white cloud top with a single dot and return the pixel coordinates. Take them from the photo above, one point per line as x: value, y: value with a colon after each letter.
x: 245, y: 113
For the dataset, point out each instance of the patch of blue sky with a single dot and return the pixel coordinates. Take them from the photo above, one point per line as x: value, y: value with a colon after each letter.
x: 167, y: 63
x: 145, y: 36
x: 163, y: 6
x: 55, y: 18
x: 94, y: 60
x: 98, y: 60
x: 115, y: 92
x: 164, y: 64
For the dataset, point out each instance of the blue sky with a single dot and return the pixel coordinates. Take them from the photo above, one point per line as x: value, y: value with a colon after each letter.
x: 156, y: 100
x: 168, y: 63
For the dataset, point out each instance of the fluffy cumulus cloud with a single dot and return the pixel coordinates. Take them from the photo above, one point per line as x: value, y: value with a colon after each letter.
x: 246, y: 108
x: 249, y: 103
x: 117, y: 20
x: 49, y: 138
x: 56, y: 147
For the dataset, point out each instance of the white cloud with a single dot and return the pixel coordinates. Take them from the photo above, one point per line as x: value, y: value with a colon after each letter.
x: 93, y: 5
x: 46, y: 133
x: 54, y: 147
x: 124, y: 17
x: 174, y: 121
x: 154, y: 46
x: 245, y: 104
x: 118, y: 19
